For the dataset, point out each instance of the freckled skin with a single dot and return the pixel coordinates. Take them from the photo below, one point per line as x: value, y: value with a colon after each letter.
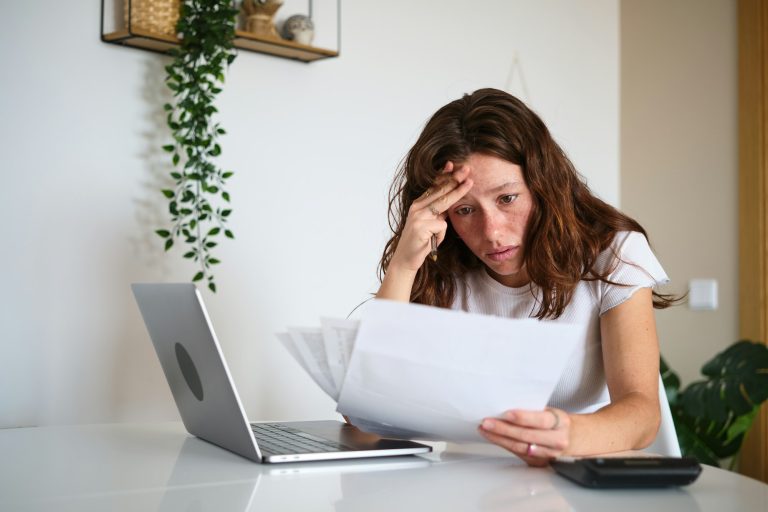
x: 494, y: 215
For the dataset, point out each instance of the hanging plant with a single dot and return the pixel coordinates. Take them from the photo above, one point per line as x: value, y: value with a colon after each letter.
x: 206, y: 29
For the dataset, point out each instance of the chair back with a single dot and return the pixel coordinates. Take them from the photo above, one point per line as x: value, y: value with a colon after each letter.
x: 666, y: 440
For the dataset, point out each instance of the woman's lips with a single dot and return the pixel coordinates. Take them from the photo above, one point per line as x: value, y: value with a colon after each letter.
x: 503, y: 254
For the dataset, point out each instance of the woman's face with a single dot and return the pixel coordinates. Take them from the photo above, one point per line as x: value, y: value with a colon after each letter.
x: 492, y: 217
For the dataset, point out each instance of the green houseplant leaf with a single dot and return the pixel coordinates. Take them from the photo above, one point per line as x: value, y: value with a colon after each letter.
x: 207, y: 30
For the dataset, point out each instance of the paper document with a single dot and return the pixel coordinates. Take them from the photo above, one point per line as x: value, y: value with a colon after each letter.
x: 323, y: 352
x: 418, y: 372
x: 440, y: 372
x: 339, y: 338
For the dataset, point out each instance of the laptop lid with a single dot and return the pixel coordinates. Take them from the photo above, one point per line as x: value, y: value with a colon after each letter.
x: 194, y: 365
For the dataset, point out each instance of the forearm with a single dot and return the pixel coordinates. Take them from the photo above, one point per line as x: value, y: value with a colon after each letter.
x: 629, y: 423
x: 397, y: 284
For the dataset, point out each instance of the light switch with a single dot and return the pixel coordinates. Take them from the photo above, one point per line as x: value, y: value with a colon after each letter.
x: 702, y: 295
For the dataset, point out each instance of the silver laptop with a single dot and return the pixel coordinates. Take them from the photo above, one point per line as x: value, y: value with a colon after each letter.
x: 210, y: 407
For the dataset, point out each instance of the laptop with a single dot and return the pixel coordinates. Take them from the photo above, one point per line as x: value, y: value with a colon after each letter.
x: 210, y: 407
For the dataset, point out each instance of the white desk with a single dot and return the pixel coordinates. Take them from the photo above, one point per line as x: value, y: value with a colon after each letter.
x: 152, y: 467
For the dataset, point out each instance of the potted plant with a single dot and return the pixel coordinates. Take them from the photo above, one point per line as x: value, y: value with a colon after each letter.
x: 206, y: 29
x: 712, y: 415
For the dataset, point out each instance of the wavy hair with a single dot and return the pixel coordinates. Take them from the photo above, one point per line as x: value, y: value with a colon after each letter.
x: 568, y: 227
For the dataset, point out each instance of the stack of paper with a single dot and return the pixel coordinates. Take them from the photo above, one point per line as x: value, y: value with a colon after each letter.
x: 323, y: 352
x: 414, y: 371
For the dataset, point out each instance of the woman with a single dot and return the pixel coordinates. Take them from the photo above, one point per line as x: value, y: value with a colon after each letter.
x: 520, y: 235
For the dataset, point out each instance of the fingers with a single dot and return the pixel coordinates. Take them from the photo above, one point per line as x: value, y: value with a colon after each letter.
x: 427, y: 218
x: 551, y: 438
x: 530, y: 452
x: 530, y: 433
x: 443, y: 192
x: 548, y: 419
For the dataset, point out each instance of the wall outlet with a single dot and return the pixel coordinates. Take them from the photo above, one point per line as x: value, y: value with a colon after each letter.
x: 702, y: 294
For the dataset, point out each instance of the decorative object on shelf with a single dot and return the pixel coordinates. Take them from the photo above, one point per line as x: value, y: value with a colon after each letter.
x: 712, y: 416
x: 260, y: 15
x: 156, y: 16
x: 149, y: 25
x: 207, y: 30
x: 299, y: 28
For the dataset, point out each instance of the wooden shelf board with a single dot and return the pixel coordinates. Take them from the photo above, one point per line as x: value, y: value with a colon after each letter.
x: 141, y: 39
x: 244, y: 40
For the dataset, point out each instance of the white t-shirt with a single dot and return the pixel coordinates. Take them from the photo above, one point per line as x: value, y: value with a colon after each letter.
x: 582, y: 387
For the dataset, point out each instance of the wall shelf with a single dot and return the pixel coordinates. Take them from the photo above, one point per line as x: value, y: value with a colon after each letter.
x: 138, y: 38
x: 144, y: 39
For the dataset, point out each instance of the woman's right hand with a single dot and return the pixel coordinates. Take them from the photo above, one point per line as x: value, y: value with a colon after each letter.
x: 426, y: 217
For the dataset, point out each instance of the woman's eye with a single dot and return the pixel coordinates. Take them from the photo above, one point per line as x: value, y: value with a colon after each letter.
x: 464, y: 210
x: 509, y: 198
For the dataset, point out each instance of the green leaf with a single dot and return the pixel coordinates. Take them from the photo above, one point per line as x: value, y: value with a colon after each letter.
x: 213, y: 231
x: 692, y: 446
x: 211, y: 245
x: 213, y: 261
x: 198, y: 276
x: 226, y: 213
x: 168, y: 243
x: 212, y: 286
x: 190, y: 254
x: 169, y: 148
x: 741, y: 425
x: 225, y: 195
x: 227, y: 174
x: 168, y: 193
x: 176, y: 159
x: 229, y: 234
x: 164, y: 233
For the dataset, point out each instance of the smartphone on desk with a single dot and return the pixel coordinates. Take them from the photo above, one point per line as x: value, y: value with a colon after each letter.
x: 629, y: 472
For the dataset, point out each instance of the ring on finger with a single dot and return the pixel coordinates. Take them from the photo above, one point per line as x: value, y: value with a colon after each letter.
x: 557, y: 419
x: 531, y: 448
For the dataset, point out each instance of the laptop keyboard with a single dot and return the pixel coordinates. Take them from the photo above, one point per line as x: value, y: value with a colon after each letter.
x: 279, y: 439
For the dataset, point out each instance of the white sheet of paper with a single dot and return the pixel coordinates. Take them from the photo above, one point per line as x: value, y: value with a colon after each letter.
x: 309, y: 344
x: 425, y: 369
x: 339, y: 337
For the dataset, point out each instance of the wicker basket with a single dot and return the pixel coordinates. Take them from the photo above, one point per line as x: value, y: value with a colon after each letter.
x: 156, y: 16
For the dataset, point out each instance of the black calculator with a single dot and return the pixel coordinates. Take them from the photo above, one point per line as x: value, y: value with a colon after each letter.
x: 629, y: 472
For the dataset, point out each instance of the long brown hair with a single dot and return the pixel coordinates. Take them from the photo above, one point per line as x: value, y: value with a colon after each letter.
x: 568, y: 226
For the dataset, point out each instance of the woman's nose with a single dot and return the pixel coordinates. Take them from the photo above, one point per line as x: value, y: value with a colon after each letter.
x: 491, y: 226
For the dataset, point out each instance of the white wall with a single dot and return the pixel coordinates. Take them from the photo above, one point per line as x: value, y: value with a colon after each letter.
x: 314, y: 148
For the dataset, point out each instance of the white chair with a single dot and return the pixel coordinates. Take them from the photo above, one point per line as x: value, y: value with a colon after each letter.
x: 666, y: 440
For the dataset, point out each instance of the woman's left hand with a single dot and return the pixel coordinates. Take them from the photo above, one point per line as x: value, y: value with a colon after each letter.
x: 534, y: 436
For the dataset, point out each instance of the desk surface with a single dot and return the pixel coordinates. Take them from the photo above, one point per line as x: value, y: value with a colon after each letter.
x: 160, y: 467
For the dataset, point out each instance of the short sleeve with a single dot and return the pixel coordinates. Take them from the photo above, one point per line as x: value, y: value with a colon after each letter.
x: 632, y: 266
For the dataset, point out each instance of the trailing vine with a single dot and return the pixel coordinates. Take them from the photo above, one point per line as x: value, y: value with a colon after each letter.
x: 207, y: 30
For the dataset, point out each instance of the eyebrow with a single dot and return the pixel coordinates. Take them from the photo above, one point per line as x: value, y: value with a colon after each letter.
x: 502, y: 187
x: 494, y: 190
